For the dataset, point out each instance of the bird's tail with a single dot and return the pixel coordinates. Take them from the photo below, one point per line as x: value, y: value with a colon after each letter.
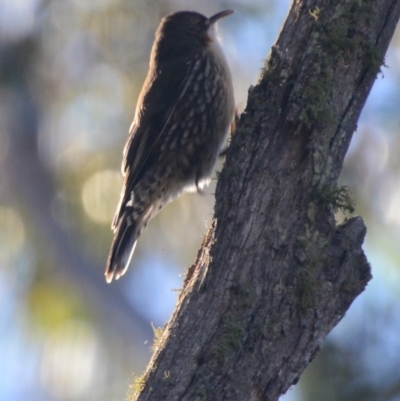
x: 122, y: 247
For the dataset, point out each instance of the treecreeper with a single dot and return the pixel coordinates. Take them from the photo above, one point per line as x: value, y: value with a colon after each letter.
x: 183, y: 116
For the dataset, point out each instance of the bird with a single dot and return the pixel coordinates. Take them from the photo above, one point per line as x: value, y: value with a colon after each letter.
x: 182, y: 119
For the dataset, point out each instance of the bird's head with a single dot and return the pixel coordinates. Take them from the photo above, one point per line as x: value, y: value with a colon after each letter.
x: 186, y: 31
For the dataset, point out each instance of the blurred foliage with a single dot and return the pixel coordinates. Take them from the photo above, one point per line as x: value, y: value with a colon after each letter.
x: 70, y: 73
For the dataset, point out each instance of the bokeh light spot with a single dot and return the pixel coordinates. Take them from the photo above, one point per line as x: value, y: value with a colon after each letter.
x: 70, y: 360
x: 12, y: 233
x: 100, y: 195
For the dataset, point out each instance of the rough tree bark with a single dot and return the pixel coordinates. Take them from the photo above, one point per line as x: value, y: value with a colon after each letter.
x: 275, y: 273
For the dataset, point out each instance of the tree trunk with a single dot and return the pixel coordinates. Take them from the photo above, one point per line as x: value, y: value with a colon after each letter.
x: 275, y: 273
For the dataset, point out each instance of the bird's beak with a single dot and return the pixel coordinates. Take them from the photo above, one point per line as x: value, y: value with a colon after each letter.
x: 220, y: 15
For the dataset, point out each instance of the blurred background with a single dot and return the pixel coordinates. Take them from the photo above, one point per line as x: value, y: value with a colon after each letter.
x: 70, y: 74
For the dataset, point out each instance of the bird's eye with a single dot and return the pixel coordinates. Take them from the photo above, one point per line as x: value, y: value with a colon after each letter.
x: 201, y: 24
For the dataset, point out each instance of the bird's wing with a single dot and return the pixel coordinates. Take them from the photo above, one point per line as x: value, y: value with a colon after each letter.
x: 157, y: 102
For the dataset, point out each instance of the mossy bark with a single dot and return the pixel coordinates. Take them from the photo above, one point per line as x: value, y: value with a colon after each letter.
x: 275, y: 273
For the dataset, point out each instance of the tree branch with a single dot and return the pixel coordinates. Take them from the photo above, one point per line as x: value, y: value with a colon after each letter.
x: 275, y: 274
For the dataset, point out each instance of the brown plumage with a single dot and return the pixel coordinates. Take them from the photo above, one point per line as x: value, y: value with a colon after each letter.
x: 183, y: 115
